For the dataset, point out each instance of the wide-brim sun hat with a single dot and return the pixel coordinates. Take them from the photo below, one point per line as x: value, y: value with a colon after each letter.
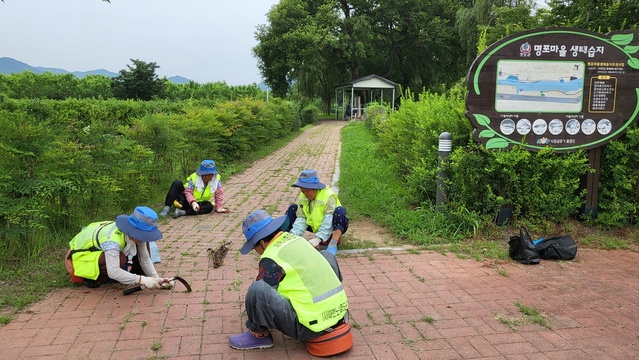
x: 207, y: 167
x: 141, y: 225
x: 259, y: 225
x: 309, y: 180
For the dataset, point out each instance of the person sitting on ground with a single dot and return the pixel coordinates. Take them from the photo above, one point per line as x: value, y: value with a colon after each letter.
x: 201, y: 195
x: 319, y: 212
x: 116, y: 250
x: 298, y: 290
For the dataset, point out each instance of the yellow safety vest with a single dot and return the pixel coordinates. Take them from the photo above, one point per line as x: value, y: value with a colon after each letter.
x: 314, y: 219
x: 205, y: 195
x: 85, y: 247
x: 310, y: 284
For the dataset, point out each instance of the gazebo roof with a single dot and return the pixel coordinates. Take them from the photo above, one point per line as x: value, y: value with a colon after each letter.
x: 368, y: 82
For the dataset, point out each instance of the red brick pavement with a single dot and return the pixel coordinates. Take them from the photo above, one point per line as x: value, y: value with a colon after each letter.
x: 404, y: 305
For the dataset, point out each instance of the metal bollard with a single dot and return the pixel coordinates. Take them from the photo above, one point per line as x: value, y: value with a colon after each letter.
x: 445, y: 148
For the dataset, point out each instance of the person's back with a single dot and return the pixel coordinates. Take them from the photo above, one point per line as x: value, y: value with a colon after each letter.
x: 298, y: 290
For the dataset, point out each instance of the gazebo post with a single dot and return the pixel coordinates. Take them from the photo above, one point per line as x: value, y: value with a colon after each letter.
x: 393, y: 102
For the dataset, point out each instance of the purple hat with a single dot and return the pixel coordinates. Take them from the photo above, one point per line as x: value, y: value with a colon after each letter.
x: 309, y: 180
x: 141, y: 225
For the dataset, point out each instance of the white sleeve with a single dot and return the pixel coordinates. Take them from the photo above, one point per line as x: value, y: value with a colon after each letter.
x: 112, y: 259
x: 145, y: 261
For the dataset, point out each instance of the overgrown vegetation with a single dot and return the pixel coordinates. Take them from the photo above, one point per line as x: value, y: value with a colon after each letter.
x: 66, y: 163
x: 539, y: 187
x: 373, y: 186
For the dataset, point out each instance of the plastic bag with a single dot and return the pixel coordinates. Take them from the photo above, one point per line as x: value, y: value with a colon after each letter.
x: 522, y: 249
x: 557, y: 248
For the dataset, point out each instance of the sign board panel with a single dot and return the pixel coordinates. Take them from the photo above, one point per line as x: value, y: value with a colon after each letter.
x: 561, y: 87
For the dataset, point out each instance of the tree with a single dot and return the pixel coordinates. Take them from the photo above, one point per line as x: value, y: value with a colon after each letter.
x: 318, y: 44
x: 595, y: 15
x: 139, y: 82
x: 94, y: 86
x: 300, y: 44
x: 486, y: 21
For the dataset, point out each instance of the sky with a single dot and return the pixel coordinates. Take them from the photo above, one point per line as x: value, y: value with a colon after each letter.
x: 201, y: 40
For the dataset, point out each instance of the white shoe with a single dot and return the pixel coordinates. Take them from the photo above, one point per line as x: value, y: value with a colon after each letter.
x: 178, y: 213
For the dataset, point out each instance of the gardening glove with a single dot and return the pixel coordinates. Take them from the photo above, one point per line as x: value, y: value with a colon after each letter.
x: 151, y: 282
x: 222, y: 210
x: 168, y: 285
x: 195, y: 206
x: 315, y: 242
x: 332, y: 246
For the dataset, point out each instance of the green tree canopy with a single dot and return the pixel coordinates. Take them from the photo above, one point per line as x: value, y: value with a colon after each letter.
x: 319, y: 44
x: 300, y: 43
x: 139, y: 82
x: 595, y: 15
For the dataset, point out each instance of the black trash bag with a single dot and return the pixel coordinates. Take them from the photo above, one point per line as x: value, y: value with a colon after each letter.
x: 557, y: 248
x: 522, y: 249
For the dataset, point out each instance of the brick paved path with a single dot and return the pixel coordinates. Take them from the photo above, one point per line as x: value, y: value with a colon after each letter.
x: 404, y: 305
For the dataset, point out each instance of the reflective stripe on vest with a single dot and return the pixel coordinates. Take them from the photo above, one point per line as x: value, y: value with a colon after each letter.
x: 310, y: 284
x: 314, y: 219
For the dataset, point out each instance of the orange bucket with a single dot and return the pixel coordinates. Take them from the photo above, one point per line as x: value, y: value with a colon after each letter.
x: 332, y: 343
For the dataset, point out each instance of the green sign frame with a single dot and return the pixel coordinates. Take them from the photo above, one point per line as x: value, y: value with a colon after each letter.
x: 566, y: 88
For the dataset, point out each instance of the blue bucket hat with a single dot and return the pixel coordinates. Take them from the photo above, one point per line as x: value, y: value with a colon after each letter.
x: 259, y: 225
x: 141, y: 225
x: 309, y: 180
x: 207, y: 167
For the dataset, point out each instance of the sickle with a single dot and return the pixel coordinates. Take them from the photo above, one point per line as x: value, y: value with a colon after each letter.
x: 139, y: 287
x: 180, y: 279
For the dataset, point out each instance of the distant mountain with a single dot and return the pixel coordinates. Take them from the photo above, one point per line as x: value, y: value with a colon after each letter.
x: 179, y: 80
x: 11, y: 66
x: 102, y: 72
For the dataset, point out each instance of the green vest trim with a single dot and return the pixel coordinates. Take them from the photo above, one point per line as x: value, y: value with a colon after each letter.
x: 314, y: 219
x: 85, y: 247
x: 314, y: 291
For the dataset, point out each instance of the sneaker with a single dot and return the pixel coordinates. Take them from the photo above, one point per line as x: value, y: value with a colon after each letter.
x: 179, y: 213
x: 165, y: 212
x: 246, y: 341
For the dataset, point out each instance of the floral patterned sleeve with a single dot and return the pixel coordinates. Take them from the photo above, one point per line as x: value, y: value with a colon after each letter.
x: 270, y: 272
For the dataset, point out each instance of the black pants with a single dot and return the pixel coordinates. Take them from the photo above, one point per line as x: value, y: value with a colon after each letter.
x: 176, y: 192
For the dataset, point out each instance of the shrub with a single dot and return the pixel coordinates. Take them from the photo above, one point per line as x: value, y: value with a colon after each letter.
x: 309, y: 115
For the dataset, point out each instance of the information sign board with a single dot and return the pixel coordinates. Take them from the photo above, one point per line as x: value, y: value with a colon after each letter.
x: 561, y: 87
